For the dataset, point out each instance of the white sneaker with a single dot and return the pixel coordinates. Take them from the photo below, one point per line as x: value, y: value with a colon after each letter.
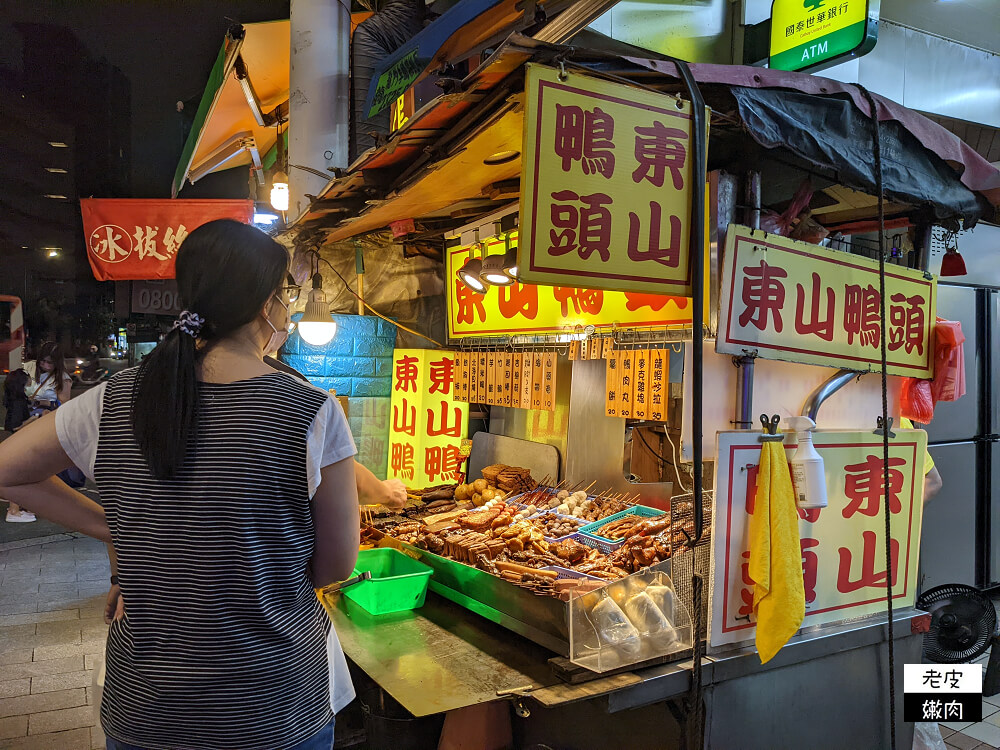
x: 23, y: 517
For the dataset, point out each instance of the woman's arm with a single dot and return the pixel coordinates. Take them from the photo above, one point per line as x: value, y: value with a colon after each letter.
x: 373, y: 491
x: 29, y: 461
x: 66, y: 392
x: 337, y: 522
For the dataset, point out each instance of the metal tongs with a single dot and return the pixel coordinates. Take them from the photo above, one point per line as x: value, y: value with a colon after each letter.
x: 335, y: 587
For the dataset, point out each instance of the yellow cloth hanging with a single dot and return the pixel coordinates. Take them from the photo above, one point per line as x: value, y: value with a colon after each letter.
x: 779, y: 599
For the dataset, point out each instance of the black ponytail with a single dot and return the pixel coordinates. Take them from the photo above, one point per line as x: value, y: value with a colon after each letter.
x: 226, y: 272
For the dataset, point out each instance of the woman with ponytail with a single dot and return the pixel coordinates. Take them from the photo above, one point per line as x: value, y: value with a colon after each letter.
x: 228, y: 494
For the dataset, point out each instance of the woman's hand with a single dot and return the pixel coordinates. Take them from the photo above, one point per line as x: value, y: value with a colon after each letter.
x: 394, y: 494
x: 114, y: 608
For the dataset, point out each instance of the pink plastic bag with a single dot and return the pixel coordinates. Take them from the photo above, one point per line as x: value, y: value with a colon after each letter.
x: 949, y: 361
x: 915, y: 400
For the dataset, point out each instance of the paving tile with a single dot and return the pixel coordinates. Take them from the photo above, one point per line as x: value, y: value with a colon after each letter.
x: 57, y: 576
x: 50, y: 666
x: 64, y: 627
x: 18, y: 585
x: 48, y: 589
x: 958, y: 740
x: 65, y: 681
x: 61, y: 720
x: 99, y: 631
x: 15, y: 657
x: 14, y: 688
x: 36, y: 641
x: 985, y: 746
x: 956, y: 726
x: 984, y: 732
x: 945, y: 732
x: 994, y: 699
x: 97, y: 739
x: 22, y: 543
x: 90, y: 661
x: 19, y: 608
x: 57, y: 652
x: 16, y: 631
x: 13, y: 726
x: 20, y: 619
x: 74, y: 739
x: 50, y: 604
x: 30, y: 704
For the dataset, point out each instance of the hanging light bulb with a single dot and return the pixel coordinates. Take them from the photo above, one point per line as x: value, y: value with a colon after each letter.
x: 279, y: 191
x: 315, y: 326
x: 510, y: 266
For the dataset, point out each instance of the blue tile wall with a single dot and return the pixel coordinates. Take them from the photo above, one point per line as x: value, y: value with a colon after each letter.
x: 357, y: 362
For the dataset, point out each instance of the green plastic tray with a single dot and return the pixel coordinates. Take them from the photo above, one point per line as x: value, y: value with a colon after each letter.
x: 398, y: 582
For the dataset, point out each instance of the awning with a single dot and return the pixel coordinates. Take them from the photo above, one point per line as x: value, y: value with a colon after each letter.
x: 227, y: 132
x: 432, y: 169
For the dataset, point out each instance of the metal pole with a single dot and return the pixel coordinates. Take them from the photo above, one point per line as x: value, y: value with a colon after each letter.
x: 745, y: 364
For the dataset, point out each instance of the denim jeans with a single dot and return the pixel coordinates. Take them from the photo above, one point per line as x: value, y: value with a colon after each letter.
x: 322, y: 740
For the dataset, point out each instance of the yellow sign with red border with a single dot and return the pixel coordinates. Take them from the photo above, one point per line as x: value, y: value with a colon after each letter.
x: 427, y: 424
x: 605, y: 185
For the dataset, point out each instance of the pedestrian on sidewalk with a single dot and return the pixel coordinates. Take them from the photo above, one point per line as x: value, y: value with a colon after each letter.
x: 17, y: 408
x: 229, y: 493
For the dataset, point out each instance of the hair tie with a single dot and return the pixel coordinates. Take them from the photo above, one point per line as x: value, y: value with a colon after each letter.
x: 189, y: 323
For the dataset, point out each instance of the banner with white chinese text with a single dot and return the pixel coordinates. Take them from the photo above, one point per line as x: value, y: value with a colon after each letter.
x: 797, y: 302
x: 427, y: 424
x: 137, y: 239
x: 605, y: 185
x: 843, y: 545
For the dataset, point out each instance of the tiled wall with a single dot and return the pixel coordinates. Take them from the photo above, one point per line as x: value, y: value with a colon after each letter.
x: 357, y: 363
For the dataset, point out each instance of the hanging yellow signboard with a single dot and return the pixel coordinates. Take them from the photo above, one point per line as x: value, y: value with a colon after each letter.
x: 428, y: 423
x: 537, y: 310
x: 605, y: 185
x: 797, y: 302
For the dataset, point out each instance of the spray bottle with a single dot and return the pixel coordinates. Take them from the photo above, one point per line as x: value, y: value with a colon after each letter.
x: 806, y: 465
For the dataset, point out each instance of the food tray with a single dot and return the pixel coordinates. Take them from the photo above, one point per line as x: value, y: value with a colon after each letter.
x: 589, y: 535
x: 398, y: 582
x: 552, y: 540
x: 569, y: 573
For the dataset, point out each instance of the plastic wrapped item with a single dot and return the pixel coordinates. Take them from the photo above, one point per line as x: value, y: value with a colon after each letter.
x: 629, y: 621
x: 949, y: 361
x: 915, y: 400
x: 795, y: 221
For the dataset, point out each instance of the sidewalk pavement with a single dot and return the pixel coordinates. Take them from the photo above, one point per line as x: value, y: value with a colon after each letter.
x: 52, y: 631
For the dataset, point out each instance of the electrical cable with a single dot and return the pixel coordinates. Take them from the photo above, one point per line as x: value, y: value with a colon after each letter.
x: 880, y: 190
x: 662, y: 458
x: 372, y: 310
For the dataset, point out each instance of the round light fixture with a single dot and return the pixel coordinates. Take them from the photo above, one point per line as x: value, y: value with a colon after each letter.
x: 279, y: 191
x: 315, y: 326
x: 493, y: 271
x: 471, y: 275
x: 510, y: 266
x: 501, y: 157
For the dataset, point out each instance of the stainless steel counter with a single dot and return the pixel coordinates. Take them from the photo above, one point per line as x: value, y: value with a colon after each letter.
x: 443, y: 657
x: 440, y: 657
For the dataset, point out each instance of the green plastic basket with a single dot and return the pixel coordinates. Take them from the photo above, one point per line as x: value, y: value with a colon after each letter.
x: 398, y: 582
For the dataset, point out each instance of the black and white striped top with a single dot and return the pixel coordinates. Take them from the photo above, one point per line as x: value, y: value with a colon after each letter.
x: 224, y: 644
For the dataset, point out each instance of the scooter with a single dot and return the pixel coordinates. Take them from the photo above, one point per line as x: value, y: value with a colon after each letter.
x: 90, y: 373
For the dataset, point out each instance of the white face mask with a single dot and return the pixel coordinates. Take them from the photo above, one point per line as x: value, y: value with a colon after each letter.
x: 280, y: 335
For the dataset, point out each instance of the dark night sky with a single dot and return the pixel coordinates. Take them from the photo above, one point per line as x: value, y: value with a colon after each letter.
x: 165, y: 47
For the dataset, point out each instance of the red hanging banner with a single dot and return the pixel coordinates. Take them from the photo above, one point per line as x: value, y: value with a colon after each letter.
x: 135, y: 239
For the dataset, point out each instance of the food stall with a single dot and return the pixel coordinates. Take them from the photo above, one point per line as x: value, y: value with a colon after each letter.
x: 610, y: 359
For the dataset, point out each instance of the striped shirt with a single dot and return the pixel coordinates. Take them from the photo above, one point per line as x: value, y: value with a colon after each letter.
x: 224, y: 644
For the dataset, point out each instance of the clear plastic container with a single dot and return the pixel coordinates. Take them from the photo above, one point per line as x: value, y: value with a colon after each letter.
x: 629, y: 621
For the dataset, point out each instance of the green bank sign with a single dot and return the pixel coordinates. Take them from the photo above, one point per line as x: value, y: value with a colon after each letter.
x: 815, y: 34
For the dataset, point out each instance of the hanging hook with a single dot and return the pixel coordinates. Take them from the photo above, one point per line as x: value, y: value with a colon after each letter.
x: 562, y: 70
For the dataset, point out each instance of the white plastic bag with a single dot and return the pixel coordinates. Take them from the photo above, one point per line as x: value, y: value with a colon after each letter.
x: 927, y: 736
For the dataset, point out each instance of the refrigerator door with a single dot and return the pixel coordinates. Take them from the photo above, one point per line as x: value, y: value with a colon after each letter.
x: 959, y: 420
x: 948, y: 536
x: 993, y: 331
